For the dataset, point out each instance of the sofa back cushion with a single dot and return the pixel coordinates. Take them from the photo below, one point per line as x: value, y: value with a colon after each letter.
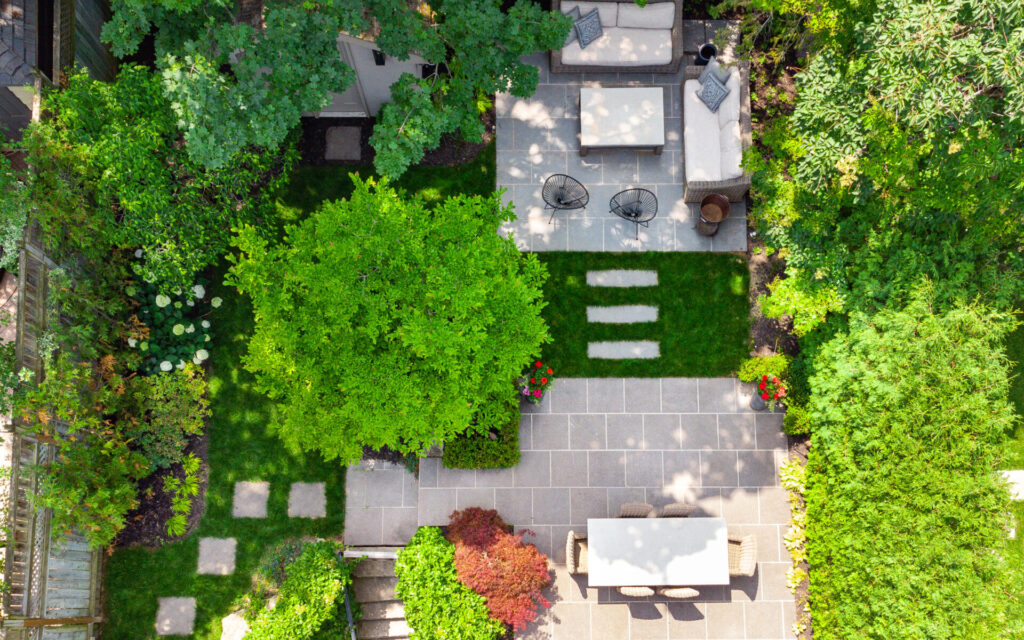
x: 623, y: 47
x: 607, y: 10
x: 656, y: 15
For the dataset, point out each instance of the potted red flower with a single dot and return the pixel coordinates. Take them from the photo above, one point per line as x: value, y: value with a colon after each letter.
x: 536, y: 382
x: 770, y: 391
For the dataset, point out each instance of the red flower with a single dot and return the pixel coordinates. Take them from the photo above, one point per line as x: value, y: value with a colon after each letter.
x: 764, y: 378
x: 775, y: 380
x: 543, y: 380
x: 764, y: 396
x: 533, y: 380
x: 761, y: 386
x: 550, y: 372
x: 776, y: 396
x: 538, y: 364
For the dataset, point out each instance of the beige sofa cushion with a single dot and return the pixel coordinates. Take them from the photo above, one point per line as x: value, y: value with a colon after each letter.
x: 656, y: 15
x: 623, y: 47
x: 608, y: 11
x: 712, y: 142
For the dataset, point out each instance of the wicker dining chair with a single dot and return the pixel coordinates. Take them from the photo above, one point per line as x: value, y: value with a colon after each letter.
x: 576, y: 553
x: 742, y: 555
x: 678, y: 593
x: 677, y: 510
x: 636, y: 592
x: 636, y: 510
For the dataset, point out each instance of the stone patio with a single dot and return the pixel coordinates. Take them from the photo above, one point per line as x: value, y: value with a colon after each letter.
x: 539, y: 136
x: 591, y: 445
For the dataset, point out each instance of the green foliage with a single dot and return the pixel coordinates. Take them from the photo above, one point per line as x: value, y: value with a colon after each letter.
x: 114, y: 175
x: 382, y: 323
x: 754, y: 368
x: 14, y: 207
x: 233, y: 86
x: 308, y: 598
x: 492, y: 442
x: 437, y: 605
x: 90, y: 483
x: 182, y: 491
x: 170, y: 329
x: 905, y: 515
x: 167, y: 407
x: 797, y: 420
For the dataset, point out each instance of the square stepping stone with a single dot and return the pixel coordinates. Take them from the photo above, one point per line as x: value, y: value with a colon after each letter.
x: 623, y: 350
x: 216, y: 556
x: 250, y: 500
x: 307, y: 500
x: 343, y: 143
x: 175, y: 616
x: 623, y: 314
x: 622, y: 278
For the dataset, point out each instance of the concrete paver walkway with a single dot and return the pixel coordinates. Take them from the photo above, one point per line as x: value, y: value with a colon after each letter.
x: 590, y: 446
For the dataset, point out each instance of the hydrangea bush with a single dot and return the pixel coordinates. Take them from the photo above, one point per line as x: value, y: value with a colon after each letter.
x: 171, y: 330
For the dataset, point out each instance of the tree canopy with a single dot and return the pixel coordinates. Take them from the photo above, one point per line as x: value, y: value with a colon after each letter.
x: 235, y: 82
x: 380, y: 322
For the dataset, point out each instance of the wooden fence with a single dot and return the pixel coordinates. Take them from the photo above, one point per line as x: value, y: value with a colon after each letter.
x: 54, y: 586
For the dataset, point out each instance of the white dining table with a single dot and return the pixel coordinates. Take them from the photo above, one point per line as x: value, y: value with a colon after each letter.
x: 656, y: 552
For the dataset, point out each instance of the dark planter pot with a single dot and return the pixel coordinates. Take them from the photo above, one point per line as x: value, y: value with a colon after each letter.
x: 757, y: 404
x: 704, y: 55
x: 705, y: 227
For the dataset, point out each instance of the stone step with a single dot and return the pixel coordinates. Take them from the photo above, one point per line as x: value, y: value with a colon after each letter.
x: 374, y: 589
x: 623, y: 314
x: 380, y: 629
x: 390, y: 610
x: 374, y: 568
x: 622, y: 278
x: 624, y: 350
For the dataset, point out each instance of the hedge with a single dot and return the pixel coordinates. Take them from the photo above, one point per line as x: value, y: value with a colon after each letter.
x: 474, y: 450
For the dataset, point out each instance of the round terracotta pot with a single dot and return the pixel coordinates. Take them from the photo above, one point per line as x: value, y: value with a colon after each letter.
x: 714, y: 207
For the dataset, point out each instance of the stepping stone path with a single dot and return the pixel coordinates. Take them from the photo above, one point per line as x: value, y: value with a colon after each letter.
x: 176, y: 616
x: 623, y: 314
x: 1016, y: 481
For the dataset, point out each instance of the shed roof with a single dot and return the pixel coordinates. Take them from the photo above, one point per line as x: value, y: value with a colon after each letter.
x: 17, y: 42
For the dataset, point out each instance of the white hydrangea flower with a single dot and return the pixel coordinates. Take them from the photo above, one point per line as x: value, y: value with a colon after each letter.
x: 177, y: 292
x: 166, y: 365
x: 132, y: 342
x: 207, y: 339
x: 202, y: 354
x: 215, y: 302
x: 199, y: 291
x: 196, y: 360
x: 143, y: 346
x: 162, y: 300
x: 191, y: 328
x: 180, y: 365
x: 178, y: 329
x: 138, y: 253
x: 206, y: 324
x: 190, y: 303
x: 131, y: 291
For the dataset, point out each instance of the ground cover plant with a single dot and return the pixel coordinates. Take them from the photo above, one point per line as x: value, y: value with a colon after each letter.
x: 494, y: 440
x: 702, y: 325
x: 396, y: 320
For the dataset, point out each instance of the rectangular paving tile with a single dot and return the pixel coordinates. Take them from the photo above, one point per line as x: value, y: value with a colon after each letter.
x: 662, y: 431
x: 774, y: 505
x: 539, y: 536
x: 624, y: 350
x: 648, y: 620
x: 453, y: 478
x: 623, y: 314
x: 625, y: 431
x: 434, y: 509
x: 740, y: 506
x: 550, y: 431
x: 768, y: 431
x: 586, y: 234
x: 385, y: 487
x: 718, y: 469
x: 607, y: 468
x: 534, y: 469
x: 605, y: 395
x: 363, y: 526
x: 586, y: 431
x: 717, y: 395
x: 622, y: 278
x: 681, y: 470
x: 698, y: 431
x: 731, y: 236
x: 399, y: 525
x: 619, y: 496
x: 573, y: 621
x: 609, y: 622
x: 643, y: 395
x: 515, y: 506
x: 483, y: 498
x: 773, y: 581
x: 514, y: 167
x: 569, y: 395
x: 551, y: 506
x: 587, y: 503
x: 568, y: 468
x: 643, y: 468
x: 756, y: 468
x: 724, y: 620
x: 736, y: 431
x: 486, y: 478
x: 679, y: 395
x: 687, y: 620
x: 525, y: 421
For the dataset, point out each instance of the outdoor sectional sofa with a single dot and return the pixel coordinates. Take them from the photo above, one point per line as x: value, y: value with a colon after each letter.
x: 713, y: 143
x: 641, y: 40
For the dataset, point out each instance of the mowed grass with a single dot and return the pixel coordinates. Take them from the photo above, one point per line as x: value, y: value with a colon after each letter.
x: 702, y: 325
x: 242, y: 448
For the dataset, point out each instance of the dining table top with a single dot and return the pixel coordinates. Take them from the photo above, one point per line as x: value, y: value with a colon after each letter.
x: 657, y: 552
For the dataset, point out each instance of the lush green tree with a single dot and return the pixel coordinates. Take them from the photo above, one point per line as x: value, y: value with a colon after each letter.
x: 380, y: 322
x: 14, y: 207
x: 906, y: 516
x: 112, y: 173
x: 233, y: 84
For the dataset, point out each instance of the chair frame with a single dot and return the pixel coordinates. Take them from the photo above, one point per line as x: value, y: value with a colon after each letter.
x: 577, y: 203
x: 742, y: 555
x: 571, y: 563
x: 619, y: 208
x: 636, y: 592
x: 641, y: 509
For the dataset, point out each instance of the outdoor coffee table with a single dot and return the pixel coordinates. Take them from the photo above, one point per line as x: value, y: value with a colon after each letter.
x: 626, y: 117
x: 655, y: 552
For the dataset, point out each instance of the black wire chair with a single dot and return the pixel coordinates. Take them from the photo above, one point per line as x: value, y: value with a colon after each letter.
x: 562, y: 193
x: 638, y: 206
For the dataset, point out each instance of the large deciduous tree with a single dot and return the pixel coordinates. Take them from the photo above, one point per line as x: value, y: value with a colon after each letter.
x: 237, y: 82
x: 382, y: 323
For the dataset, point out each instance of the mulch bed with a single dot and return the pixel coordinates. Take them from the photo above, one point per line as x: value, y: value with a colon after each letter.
x: 147, y: 523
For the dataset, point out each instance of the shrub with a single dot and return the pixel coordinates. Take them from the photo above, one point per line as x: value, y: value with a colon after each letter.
x: 170, y: 407
x: 14, y: 207
x: 493, y: 439
x: 499, y: 566
x: 437, y: 605
x: 308, y: 598
x: 169, y: 329
x: 182, y: 491
x: 754, y: 369
x: 798, y: 420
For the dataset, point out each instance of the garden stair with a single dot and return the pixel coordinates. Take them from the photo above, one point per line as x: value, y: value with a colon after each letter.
x: 374, y: 582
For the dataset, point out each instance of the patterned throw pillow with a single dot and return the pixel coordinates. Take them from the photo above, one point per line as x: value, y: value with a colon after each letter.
x: 575, y: 15
x: 712, y: 92
x: 588, y: 28
x: 712, y: 68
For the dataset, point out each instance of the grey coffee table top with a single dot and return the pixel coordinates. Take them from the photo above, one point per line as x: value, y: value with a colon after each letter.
x: 657, y: 552
x: 622, y: 117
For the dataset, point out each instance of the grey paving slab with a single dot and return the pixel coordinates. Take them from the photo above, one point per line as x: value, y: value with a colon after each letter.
x: 757, y: 469
x: 679, y: 395
x: 398, y: 525
x: 515, y: 505
x: 699, y: 431
x: 643, y: 395
x: 216, y: 556
x: 623, y: 314
x: 493, y: 478
x: 622, y: 278
x: 662, y: 431
x: 718, y: 469
x: 681, y: 470
x: 643, y: 468
x: 587, y: 431
x: 309, y: 500
x: 387, y: 487
x: 364, y: 526
x: 587, y: 503
x: 605, y: 395
x: 569, y: 468
x: 483, y: 498
x: 534, y: 469
x: 428, y: 469
x: 568, y: 395
x: 768, y: 431
x: 625, y: 431
x: 551, y: 506
x: 624, y: 350
x: 550, y: 431
x: 456, y: 478
x: 736, y: 431
x: 607, y: 469
x: 718, y: 395
x: 175, y: 616
x: 435, y: 506
x: 250, y: 500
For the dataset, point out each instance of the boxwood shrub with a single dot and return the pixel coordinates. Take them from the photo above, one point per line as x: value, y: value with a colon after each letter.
x: 493, y: 441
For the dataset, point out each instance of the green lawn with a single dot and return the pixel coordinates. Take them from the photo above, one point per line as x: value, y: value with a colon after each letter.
x: 702, y: 324
x: 242, y: 449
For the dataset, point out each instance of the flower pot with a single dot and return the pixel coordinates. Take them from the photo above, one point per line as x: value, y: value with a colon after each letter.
x: 704, y: 55
x: 714, y: 207
x: 757, y: 404
x: 706, y: 227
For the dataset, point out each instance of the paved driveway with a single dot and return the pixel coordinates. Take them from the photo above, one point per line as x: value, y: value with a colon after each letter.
x: 592, y: 445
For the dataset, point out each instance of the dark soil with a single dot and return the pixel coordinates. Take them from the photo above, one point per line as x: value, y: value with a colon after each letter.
x: 453, y: 150
x: 147, y: 523
x: 768, y: 336
x: 385, y: 454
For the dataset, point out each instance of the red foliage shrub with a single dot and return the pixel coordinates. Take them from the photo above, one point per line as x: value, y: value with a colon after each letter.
x: 498, y: 565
